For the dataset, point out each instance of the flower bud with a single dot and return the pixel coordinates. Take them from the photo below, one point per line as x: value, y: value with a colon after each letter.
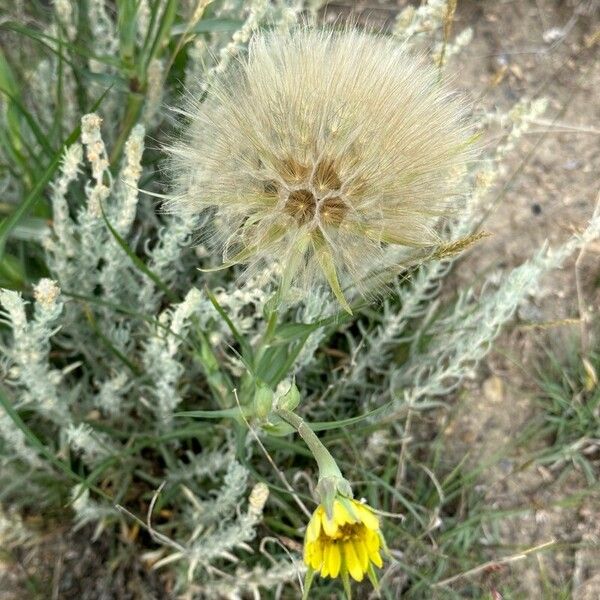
x: 291, y: 399
x: 263, y: 400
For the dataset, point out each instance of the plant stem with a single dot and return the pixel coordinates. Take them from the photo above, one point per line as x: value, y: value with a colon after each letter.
x: 135, y: 103
x: 325, y: 461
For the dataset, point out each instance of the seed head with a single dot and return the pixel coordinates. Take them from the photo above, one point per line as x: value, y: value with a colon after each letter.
x: 320, y: 151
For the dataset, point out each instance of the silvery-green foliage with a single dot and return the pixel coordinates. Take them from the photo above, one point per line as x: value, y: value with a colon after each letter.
x: 90, y: 511
x: 14, y: 439
x: 93, y: 445
x: 315, y: 306
x: 100, y: 360
x: 208, y: 544
x: 206, y: 465
x: 223, y: 504
x: 249, y: 583
x: 29, y: 369
x: 466, y: 335
x: 209, y: 58
x: 111, y: 396
x: 160, y: 354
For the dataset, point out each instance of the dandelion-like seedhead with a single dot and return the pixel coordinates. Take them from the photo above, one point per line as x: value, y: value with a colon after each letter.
x: 319, y: 151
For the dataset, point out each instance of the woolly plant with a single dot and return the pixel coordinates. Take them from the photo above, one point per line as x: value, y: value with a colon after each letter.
x: 153, y: 396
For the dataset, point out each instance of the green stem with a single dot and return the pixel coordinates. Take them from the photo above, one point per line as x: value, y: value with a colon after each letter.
x: 248, y: 380
x: 267, y: 336
x: 135, y: 103
x: 217, y: 381
x: 325, y: 461
x: 271, y: 326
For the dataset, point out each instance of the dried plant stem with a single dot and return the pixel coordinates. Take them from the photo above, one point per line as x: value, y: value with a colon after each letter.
x: 495, y: 563
x: 584, y: 316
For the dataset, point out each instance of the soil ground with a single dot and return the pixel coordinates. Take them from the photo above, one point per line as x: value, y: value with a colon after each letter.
x: 536, y: 48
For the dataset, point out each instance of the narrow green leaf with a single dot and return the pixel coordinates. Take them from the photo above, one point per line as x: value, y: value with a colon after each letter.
x: 325, y: 260
x: 227, y: 413
x: 39, y: 446
x: 138, y: 262
x: 31, y: 122
x: 308, y: 579
x: 8, y: 84
x: 12, y: 273
x: 245, y: 347
x: 325, y: 425
x: 162, y: 35
x: 373, y: 577
x: 127, y: 27
x: 290, y: 331
x: 346, y: 582
x: 8, y: 224
x: 51, y: 43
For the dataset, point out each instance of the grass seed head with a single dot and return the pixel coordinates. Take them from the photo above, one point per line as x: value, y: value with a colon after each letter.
x: 319, y: 151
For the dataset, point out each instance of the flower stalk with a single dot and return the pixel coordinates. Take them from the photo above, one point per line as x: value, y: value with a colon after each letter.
x: 343, y: 538
x: 331, y: 481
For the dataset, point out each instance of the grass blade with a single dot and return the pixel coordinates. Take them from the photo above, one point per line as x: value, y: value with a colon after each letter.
x: 10, y: 222
x: 138, y: 262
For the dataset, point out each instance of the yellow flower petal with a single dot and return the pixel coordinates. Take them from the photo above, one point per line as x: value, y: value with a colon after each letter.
x: 367, y: 516
x: 352, y: 562
x: 372, y: 540
x: 308, y: 552
x: 376, y: 559
x: 361, y: 551
x: 329, y: 526
x: 325, y: 561
x: 372, y: 544
x: 316, y: 556
x: 334, y: 559
x: 348, y: 545
x: 341, y: 515
x: 314, y: 527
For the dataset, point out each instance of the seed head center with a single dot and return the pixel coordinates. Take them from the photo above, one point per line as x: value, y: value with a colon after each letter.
x: 304, y: 205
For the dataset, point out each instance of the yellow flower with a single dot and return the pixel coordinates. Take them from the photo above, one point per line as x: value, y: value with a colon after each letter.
x: 348, y: 543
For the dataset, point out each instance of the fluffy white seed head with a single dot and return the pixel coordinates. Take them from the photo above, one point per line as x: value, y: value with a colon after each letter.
x: 321, y: 150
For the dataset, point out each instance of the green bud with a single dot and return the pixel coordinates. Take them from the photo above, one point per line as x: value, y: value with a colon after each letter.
x: 263, y: 400
x: 291, y: 399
